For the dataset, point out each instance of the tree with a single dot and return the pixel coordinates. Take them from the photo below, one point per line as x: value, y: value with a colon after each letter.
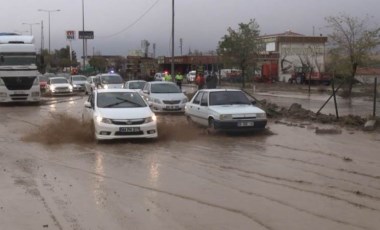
x: 352, y: 42
x: 99, y: 63
x: 241, y: 47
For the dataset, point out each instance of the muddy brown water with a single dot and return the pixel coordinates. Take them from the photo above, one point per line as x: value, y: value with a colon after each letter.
x: 186, y: 179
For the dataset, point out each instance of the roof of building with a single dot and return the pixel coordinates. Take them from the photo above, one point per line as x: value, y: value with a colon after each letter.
x: 368, y: 71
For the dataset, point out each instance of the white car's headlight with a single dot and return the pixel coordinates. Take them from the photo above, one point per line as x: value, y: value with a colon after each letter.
x: 150, y: 119
x: 105, y: 87
x: 100, y: 119
x: 225, y: 117
x: 70, y: 87
x: 184, y: 100
x: 261, y: 115
x: 157, y: 101
x: 52, y: 87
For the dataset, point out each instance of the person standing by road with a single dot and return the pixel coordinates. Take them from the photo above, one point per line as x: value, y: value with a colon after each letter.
x: 200, y: 81
x: 168, y: 77
x: 211, y: 81
x: 179, y: 79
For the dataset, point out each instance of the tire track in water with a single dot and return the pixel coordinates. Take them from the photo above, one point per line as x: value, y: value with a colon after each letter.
x: 286, y: 204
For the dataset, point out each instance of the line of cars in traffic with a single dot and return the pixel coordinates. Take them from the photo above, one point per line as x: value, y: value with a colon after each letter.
x: 117, y: 109
x: 130, y: 111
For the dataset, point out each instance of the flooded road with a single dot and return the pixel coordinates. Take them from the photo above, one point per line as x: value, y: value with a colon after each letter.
x: 55, y: 177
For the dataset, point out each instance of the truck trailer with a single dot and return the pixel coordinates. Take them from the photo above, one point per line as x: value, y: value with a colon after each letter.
x: 18, y: 69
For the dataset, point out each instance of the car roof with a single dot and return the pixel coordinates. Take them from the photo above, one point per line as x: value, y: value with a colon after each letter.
x: 108, y: 74
x: 58, y: 78
x: 115, y: 90
x: 161, y: 82
x: 136, y: 81
x: 219, y: 90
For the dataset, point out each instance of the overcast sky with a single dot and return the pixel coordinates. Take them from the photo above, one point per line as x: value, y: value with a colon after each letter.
x: 120, y: 25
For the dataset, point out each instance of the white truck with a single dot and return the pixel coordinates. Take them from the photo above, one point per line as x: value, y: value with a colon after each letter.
x: 18, y: 70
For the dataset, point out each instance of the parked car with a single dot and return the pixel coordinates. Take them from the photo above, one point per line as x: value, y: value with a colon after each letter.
x: 225, y: 110
x: 109, y: 81
x: 164, y: 96
x: 135, y: 84
x: 119, y: 113
x: 59, y: 85
x: 90, y: 84
x: 78, y: 82
x: 190, y: 77
x: 159, y: 77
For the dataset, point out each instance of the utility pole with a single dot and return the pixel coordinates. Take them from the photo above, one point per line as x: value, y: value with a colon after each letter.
x: 154, y: 50
x: 180, y: 44
x: 42, y: 36
x: 172, y: 69
x: 84, y: 42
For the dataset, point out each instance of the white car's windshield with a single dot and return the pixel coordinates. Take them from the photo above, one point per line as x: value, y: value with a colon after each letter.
x: 165, y: 88
x: 79, y: 78
x: 111, y: 79
x: 120, y: 100
x: 228, y: 98
x: 58, y: 81
x: 136, y: 85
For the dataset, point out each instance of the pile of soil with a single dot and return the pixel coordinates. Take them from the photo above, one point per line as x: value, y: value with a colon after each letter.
x: 295, y: 111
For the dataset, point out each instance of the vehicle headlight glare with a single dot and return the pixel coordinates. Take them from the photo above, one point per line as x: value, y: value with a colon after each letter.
x: 100, y: 119
x: 261, y: 115
x: 150, y: 119
x: 225, y: 117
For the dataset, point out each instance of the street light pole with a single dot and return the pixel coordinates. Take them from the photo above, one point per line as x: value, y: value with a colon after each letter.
x: 30, y: 26
x: 172, y: 64
x: 84, y: 50
x: 49, y: 11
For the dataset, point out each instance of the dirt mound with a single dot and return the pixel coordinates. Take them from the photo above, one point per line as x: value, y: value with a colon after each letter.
x: 295, y: 111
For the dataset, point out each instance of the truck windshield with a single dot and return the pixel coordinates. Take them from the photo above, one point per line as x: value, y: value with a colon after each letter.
x: 18, y: 59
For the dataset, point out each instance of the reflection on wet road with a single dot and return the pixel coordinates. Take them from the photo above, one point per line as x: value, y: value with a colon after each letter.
x: 288, y: 178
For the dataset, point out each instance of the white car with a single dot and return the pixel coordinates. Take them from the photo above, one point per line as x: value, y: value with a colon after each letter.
x: 78, y: 82
x: 137, y: 85
x: 159, y: 76
x: 110, y: 81
x: 190, y: 77
x: 58, y: 85
x: 90, y: 84
x: 225, y: 110
x: 119, y: 113
x: 164, y: 96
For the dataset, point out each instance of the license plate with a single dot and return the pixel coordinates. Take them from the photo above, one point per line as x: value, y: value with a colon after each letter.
x: 19, y: 92
x: 172, y: 107
x: 129, y: 129
x: 245, y: 123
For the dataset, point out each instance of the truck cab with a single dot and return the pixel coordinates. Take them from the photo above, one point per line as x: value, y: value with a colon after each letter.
x: 18, y: 70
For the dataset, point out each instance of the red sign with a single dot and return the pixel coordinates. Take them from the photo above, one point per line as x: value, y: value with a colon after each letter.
x: 70, y: 34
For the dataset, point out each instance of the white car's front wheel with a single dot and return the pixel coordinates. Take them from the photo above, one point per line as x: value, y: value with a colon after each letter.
x: 211, y: 126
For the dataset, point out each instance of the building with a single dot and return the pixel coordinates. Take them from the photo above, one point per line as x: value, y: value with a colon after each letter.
x: 289, y: 50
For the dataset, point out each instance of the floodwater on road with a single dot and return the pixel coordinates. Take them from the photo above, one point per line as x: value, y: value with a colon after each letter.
x: 54, y: 176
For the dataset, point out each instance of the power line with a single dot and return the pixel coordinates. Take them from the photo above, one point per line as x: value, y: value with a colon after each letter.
x: 133, y: 23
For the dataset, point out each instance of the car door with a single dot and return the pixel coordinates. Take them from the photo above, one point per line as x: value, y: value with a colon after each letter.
x: 194, y: 107
x: 203, y: 110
